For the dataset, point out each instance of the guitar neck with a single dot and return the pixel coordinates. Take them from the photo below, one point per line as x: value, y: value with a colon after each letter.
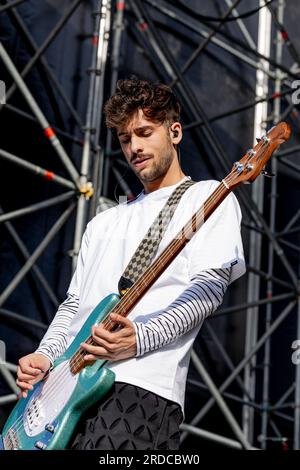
x: 245, y: 170
x: 143, y: 284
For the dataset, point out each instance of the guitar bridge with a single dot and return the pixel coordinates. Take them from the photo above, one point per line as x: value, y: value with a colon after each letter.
x: 11, y: 440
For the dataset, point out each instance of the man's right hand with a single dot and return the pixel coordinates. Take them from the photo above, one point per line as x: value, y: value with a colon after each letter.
x: 32, y: 368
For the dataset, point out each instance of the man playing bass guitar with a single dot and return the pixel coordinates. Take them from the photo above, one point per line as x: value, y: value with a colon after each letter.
x: 150, y: 350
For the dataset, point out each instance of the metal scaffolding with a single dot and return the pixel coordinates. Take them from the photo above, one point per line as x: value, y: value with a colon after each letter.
x: 254, y: 419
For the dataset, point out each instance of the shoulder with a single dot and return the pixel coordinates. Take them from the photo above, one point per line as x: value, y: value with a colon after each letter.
x: 211, y: 185
x: 207, y: 187
x: 105, y: 217
x: 203, y: 188
x: 112, y: 214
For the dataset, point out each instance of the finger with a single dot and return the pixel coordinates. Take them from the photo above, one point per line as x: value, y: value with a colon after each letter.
x: 24, y: 385
x: 93, y: 357
x: 26, y: 369
x: 30, y: 382
x: 111, y: 337
x: 116, y: 318
x: 25, y: 377
x: 100, y: 332
x: 97, y: 350
x: 106, y: 338
x: 36, y: 380
x: 102, y: 342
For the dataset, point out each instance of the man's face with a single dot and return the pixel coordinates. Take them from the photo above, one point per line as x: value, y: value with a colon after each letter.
x: 147, y: 147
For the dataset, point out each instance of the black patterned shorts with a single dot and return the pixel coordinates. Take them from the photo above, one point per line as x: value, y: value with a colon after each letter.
x: 129, y: 418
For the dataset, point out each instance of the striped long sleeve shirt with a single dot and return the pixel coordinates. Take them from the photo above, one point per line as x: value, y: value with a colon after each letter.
x: 201, y: 298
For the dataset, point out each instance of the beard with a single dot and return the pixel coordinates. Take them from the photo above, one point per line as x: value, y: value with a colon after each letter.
x: 158, y: 168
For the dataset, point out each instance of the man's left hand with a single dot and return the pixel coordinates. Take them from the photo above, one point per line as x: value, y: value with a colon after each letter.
x: 112, y: 345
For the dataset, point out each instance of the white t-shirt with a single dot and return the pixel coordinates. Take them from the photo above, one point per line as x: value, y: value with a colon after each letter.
x: 108, y: 244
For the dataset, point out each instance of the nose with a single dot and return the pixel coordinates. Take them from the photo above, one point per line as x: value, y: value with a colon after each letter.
x: 136, y: 144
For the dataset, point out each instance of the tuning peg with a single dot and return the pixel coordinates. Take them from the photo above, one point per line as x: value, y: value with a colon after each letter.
x: 239, y: 167
x: 265, y: 139
x: 258, y: 139
x: 251, y: 153
x: 268, y: 175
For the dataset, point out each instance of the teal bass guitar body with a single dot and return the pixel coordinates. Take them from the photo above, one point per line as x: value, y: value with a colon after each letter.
x: 48, y: 416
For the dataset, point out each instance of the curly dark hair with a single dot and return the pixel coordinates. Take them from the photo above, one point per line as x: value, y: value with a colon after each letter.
x: 157, y: 101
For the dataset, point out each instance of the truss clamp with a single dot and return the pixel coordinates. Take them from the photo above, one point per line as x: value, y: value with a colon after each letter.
x: 92, y: 130
x: 72, y: 253
x: 87, y: 190
x: 94, y: 70
x: 96, y: 13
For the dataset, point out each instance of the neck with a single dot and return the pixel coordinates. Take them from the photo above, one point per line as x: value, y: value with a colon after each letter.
x: 173, y: 176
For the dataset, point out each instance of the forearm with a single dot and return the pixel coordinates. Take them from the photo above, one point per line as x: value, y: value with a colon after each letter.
x: 200, y: 299
x: 54, y: 342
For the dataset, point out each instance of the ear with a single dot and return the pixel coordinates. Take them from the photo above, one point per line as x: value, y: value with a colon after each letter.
x: 176, y: 132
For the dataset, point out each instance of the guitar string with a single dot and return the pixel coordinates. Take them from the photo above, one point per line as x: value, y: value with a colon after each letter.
x: 81, y: 353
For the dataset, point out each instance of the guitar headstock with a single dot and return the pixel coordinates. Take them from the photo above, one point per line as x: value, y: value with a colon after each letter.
x: 247, y: 169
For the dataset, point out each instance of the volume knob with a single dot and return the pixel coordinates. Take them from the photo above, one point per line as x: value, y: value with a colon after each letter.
x: 49, y: 427
x: 40, y: 445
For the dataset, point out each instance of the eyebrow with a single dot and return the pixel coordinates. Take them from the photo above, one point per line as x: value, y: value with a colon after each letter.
x: 141, y: 128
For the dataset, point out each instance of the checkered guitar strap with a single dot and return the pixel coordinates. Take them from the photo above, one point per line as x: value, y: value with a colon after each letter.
x: 149, y: 245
